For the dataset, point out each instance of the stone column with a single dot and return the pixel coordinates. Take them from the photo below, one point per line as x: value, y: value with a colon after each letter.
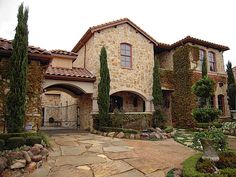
x: 148, y: 105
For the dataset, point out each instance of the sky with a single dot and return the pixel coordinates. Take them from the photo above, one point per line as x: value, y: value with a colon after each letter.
x: 59, y: 24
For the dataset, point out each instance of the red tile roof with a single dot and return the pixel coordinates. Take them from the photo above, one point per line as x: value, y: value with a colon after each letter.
x: 94, y: 29
x: 193, y: 40
x: 63, y: 52
x: 78, y: 74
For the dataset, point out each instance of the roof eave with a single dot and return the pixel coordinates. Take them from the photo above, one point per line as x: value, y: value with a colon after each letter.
x: 69, y: 78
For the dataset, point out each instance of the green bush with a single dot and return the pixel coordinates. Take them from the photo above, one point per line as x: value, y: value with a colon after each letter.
x: 114, y: 129
x: 204, y: 87
x: 15, y: 142
x: 189, y: 169
x: 31, y: 140
x: 168, y: 129
x: 2, y: 144
x: 205, y: 115
x: 170, y: 173
x: 205, y: 166
x: 227, y: 160
x: 6, y: 136
x: 206, y: 125
x: 45, y: 138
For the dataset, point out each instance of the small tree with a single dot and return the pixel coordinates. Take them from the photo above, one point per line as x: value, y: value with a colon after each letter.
x: 157, y: 119
x: 16, y: 98
x: 231, y: 91
x: 103, y: 90
x: 204, y: 66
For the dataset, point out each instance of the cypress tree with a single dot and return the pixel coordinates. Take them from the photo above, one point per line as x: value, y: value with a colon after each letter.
x: 16, y: 98
x: 157, y: 119
x: 103, y: 90
x: 231, y: 91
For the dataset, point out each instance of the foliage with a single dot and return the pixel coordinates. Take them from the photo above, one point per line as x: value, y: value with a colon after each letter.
x: 114, y: 129
x: 218, y: 137
x: 205, y: 115
x: 229, y: 128
x: 2, y: 144
x: 16, y: 97
x: 205, y: 166
x: 204, y: 87
x: 227, y: 160
x: 15, y: 142
x: 168, y: 129
x: 30, y: 141
x: 204, y: 66
x: 206, y: 125
x: 230, y: 74
x: 231, y: 91
x: 45, y: 138
x: 103, y: 90
x: 170, y: 173
x: 183, y: 100
x: 189, y: 169
x: 157, y: 119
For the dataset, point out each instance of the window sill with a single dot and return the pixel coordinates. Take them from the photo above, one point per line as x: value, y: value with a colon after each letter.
x: 126, y: 68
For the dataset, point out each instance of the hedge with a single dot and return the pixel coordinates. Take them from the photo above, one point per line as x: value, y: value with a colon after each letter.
x: 15, y: 142
x: 114, y: 129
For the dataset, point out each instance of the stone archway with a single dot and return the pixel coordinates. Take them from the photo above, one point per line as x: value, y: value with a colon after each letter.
x: 67, y: 103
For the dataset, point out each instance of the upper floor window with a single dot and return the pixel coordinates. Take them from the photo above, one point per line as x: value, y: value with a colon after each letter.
x: 201, y: 58
x: 212, y: 63
x: 126, y: 55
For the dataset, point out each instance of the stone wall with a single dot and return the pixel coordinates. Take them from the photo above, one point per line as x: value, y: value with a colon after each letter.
x: 85, y: 109
x: 139, y: 77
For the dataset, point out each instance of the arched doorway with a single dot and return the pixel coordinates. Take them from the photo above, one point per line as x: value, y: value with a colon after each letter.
x: 65, y: 106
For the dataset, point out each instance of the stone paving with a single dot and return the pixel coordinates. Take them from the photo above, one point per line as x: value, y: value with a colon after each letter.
x: 89, y: 155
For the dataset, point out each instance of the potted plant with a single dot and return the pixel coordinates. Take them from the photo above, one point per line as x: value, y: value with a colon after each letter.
x: 212, y: 141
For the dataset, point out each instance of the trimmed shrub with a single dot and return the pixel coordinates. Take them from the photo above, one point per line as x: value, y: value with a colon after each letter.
x: 15, y: 142
x: 205, y: 166
x: 206, y: 125
x: 168, y: 129
x: 30, y: 141
x: 114, y: 129
x: 6, y: 136
x: 205, y: 115
x: 2, y: 144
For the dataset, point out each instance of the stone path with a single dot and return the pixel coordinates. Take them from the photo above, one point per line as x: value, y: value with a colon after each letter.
x: 89, y: 155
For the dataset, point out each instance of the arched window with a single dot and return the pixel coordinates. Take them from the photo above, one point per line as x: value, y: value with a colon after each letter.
x: 126, y: 55
x: 212, y: 62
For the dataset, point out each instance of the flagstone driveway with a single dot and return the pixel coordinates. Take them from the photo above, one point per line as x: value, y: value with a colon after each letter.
x: 89, y: 155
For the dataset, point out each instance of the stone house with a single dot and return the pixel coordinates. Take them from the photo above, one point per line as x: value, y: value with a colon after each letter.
x: 72, y: 77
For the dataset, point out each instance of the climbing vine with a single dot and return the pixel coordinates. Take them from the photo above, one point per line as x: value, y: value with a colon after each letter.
x: 183, y: 99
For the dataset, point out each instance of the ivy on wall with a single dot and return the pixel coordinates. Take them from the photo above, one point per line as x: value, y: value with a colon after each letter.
x: 183, y: 99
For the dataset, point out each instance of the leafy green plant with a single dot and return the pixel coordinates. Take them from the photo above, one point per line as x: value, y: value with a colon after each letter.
x: 204, y: 87
x: 205, y: 166
x: 30, y: 141
x: 15, y: 142
x: 205, y: 115
x: 218, y: 137
x: 2, y: 144
x: 231, y: 91
x: 169, y: 129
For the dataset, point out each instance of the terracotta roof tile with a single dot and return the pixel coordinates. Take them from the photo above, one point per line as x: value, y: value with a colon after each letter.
x: 74, y: 73
x: 7, y: 45
x: 63, y: 52
x: 199, y: 42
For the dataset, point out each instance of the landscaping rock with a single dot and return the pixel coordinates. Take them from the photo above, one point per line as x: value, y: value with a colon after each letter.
x: 159, y: 130
x: 18, y: 164
x: 137, y: 136
x: 15, y: 155
x: 26, y: 148
x: 178, y: 172
x: 120, y: 135
x: 144, y: 136
x: 37, y: 158
x: 154, y: 135
x: 30, y: 154
x: 44, y: 153
x: 26, y: 156
x: 31, y: 167
x: 132, y: 136
x: 3, y: 164
x: 39, y: 164
x: 40, y: 146
x: 35, y: 150
x: 111, y: 134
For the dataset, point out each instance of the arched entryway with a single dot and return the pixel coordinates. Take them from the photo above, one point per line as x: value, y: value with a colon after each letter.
x: 127, y: 101
x: 66, y: 105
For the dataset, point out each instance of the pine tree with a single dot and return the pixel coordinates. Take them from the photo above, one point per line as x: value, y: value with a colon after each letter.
x: 231, y: 91
x: 16, y: 98
x: 157, y: 96
x: 103, y: 90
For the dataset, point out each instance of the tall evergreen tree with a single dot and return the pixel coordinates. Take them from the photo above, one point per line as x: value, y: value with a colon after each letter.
x: 103, y: 90
x: 157, y: 119
x: 16, y: 98
x: 231, y: 91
